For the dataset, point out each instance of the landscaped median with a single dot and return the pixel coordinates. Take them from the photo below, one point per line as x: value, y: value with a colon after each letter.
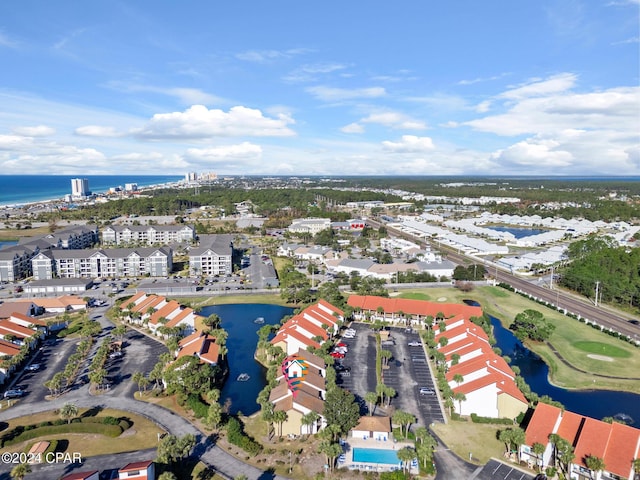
x: 90, y: 433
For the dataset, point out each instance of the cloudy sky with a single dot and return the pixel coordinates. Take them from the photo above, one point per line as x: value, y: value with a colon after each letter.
x: 418, y: 87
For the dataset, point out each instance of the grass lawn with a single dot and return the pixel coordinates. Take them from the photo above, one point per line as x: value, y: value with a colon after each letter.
x: 479, y: 439
x: 600, y: 348
x: 142, y: 434
x: 271, y: 299
x: 570, y: 338
x: 12, y: 235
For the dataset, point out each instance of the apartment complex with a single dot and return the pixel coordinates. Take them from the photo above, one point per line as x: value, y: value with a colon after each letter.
x: 213, y: 256
x: 617, y: 445
x: 147, y: 234
x: 16, y: 261
x: 114, y: 263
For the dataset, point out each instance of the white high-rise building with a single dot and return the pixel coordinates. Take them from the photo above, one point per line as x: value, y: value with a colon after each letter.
x: 80, y: 187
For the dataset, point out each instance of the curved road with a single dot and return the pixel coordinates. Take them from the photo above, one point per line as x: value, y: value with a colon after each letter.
x: 205, y: 450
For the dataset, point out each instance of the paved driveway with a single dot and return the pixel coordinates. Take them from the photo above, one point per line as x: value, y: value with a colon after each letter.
x: 407, y: 372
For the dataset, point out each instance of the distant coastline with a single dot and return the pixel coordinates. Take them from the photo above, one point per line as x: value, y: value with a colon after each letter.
x: 26, y: 189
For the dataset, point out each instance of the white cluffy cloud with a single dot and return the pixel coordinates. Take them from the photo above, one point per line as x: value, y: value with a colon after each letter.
x: 228, y: 155
x: 97, y: 131
x: 395, y: 120
x: 200, y: 123
x: 37, y: 131
x: 409, y: 144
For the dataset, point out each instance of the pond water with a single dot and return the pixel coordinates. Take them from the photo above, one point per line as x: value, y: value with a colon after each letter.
x: 519, y: 232
x: 7, y: 244
x: 238, y: 321
x: 591, y: 403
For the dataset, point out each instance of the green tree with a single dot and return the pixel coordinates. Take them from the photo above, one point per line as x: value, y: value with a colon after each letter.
x: 404, y: 419
x: 308, y: 420
x: 331, y: 452
x: 172, y: 448
x: 20, y: 471
x: 371, y: 398
x: 406, y: 455
x: 538, y: 449
x: 341, y: 409
x: 532, y: 325
x: 280, y: 416
x: 167, y: 476
x: 68, y: 412
x: 214, y: 415
x: 595, y: 464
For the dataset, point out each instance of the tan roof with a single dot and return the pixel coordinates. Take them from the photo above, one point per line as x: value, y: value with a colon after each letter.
x: 374, y: 424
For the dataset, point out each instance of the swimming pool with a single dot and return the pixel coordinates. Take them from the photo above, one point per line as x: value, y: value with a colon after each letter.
x: 375, y: 455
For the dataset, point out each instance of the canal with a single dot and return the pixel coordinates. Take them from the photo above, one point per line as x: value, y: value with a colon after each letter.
x: 239, y: 321
x: 592, y: 403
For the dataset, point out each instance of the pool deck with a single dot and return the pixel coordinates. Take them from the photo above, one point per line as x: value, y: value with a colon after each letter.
x: 352, y: 443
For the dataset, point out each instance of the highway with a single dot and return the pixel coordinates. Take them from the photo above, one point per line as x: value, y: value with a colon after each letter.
x: 602, y: 315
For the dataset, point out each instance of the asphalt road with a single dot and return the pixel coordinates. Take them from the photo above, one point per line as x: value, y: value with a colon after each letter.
x: 604, y: 316
x: 141, y: 353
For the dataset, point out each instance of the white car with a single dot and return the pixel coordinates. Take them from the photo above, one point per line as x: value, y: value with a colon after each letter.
x: 415, y: 344
x: 341, y: 349
x: 349, y: 335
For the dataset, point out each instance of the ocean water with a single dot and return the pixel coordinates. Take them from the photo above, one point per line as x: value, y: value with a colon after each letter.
x: 17, y: 189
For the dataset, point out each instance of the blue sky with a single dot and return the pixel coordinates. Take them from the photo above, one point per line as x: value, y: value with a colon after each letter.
x: 420, y: 87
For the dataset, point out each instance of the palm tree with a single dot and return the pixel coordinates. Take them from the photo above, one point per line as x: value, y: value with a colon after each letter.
x: 20, y: 471
x: 595, y: 464
x: 280, y: 416
x: 460, y: 397
x: 371, y: 398
x: 538, y: 449
x: 406, y: 455
x: 68, y: 412
x: 636, y: 466
x: 458, y: 379
x: 308, y: 420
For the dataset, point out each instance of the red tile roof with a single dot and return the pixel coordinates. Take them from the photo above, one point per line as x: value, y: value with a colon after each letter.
x: 136, y: 466
x: 488, y: 361
x: 283, y: 334
x: 330, y: 307
x: 467, y: 328
x: 570, y: 426
x: 8, y: 348
x: 592, y: 440
x: 15, y: 329
x: 542, y: 424
x: 624, y: 444
x: 413, y: 307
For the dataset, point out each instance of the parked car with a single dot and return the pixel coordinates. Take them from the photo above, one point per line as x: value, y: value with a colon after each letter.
x: 427, y: 391
x: 116, y: 354
x: 342, y: 350
x: 14, y: 393
x: 337, y: 355
x: 349, y: 335
x: 415, y: 344
x: 342, y: 345
x: 34, y: 367
x: 338, y: 367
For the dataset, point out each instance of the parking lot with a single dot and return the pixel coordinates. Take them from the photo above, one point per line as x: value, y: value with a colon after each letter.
x: 407, y: 373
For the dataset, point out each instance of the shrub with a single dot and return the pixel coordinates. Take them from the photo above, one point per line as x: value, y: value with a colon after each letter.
x: 501, y: 421
x: 107, y: 430
x: 200, y: 409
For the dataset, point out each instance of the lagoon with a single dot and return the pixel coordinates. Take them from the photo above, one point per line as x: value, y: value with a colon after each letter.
x: 519, y: 232
x: 238, y: 321
x: 592, y: 403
